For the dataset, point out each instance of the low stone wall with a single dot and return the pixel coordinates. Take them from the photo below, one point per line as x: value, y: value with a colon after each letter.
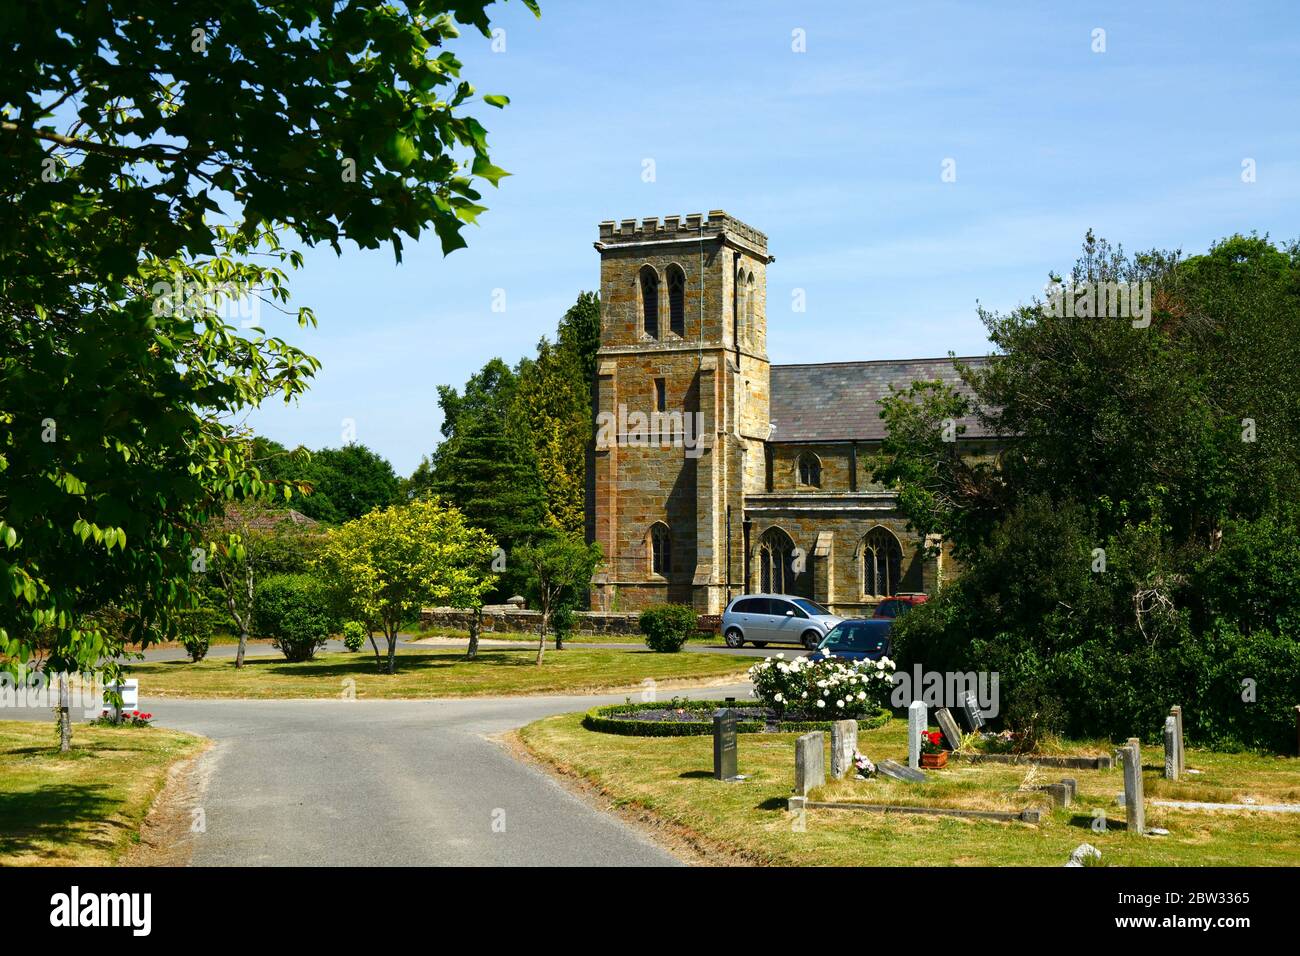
x: 503, y: 620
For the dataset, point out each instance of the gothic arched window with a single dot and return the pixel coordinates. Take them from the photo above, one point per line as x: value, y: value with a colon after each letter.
x: 649, y: 282
x: 677, y: 301
x: 810, y: 470
x: 882, y: 563
x: 775, y: 560
x: 661, y: 549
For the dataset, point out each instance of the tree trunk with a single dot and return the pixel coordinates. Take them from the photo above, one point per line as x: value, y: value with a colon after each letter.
x: 475, y: 626
x: 65, y: 718
x: 245, y: 621
x: 379, y: 663
x: 541, y: 636
x: 392, y: 649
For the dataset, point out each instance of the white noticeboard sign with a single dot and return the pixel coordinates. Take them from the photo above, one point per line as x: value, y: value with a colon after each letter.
x: 130, y: 691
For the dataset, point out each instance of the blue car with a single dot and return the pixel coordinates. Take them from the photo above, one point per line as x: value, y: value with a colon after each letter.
x: 863, y: 639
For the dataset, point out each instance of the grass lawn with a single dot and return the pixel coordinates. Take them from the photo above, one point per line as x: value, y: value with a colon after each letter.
x: 432, y: 673
x: 417, y: 633
x: 672, y: 778
x: 83, y: 808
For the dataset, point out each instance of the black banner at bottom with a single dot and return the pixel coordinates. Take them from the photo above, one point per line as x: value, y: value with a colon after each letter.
x: 233, y: 906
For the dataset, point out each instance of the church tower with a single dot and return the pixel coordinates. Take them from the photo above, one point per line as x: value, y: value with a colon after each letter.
x: 681, y: 407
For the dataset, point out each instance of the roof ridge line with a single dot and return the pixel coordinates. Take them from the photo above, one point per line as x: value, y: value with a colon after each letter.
x: 941, y: 358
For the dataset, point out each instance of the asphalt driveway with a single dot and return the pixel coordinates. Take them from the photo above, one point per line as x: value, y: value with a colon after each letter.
x: 397, y: 782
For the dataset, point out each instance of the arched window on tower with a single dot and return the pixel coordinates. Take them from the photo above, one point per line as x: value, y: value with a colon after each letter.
x: 882, y: 563
x: 810, y: 470
x: 649, y: 282
x: 677, y: 301
x: 661, y: 549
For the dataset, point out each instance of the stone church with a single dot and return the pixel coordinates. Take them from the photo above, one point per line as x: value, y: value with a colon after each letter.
x: 717, y: 473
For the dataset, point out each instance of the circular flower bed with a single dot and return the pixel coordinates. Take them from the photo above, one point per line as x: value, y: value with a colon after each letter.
x: 693, y: 718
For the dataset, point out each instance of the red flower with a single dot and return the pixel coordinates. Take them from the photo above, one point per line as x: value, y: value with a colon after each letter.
x: 933, y: 735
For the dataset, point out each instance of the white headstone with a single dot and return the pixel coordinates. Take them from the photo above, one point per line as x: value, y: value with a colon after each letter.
x: 917, y: 720
x: 1171, y: 748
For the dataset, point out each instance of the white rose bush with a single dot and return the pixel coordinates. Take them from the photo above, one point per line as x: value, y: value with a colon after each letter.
x: 827, y: 689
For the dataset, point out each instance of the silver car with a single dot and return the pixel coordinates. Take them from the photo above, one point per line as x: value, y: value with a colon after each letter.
x: 763, y: 619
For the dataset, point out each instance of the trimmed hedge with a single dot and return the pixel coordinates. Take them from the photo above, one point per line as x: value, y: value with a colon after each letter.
x: 606, y: 720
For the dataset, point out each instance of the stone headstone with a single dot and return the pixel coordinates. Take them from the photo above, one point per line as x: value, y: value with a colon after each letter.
x: 1177, y: 713
x: 1083, y: 853
x: 844, y: 744
x: 724, y: 744
x: 970, y: 709
x: 809, y: 763
x: 898, y: 772
x: 1171, y: 748
x: 1072, y: 786
x: 517, y: 602
x: 916, y: 724
x: 1135, y: 809
x: 1059, y: 793
x: 948, y: 724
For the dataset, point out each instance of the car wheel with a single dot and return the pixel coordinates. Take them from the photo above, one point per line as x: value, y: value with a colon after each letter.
x: 735, y: 638
x: 759, y: 643
x: 811, y: 639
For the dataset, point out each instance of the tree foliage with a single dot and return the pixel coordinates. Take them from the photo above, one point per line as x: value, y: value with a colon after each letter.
x: 387, y: 565
x: 556, y: 566
x: 128, y: 133
x: 1132, y: 546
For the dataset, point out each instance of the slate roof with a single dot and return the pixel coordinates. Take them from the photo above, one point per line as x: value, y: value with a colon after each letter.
x: 840, y: 401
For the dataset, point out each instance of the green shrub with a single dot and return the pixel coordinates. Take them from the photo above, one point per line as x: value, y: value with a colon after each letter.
x: 195, y: 627
x: 562, y: 621
x: 667, y: 627
x: 295, y: 611
x: 354, y: 635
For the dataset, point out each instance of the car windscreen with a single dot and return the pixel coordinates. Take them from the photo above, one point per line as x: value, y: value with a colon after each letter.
x: 856, y: 637
x: 810, y: 607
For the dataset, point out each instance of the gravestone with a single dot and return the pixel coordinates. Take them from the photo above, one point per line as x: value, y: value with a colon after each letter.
x: 916, y: 724
x: 948, y: 724
x: 1072, y: 788
x: 970, y: 708
x: 809, y: 763
x: 1059, y: 793
x: 1171, y: 748
x: 1134, y: 808
x: 897, y: 771
x: 724, y: 744
x: 1082, y: 853
x: 1177, y: 713
x: 844, y: 744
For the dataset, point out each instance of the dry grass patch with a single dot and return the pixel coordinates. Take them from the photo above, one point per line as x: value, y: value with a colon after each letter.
x: 671, y: 777
x: 83, y: 808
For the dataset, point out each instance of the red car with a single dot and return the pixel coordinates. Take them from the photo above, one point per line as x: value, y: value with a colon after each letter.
x: 897, y: 605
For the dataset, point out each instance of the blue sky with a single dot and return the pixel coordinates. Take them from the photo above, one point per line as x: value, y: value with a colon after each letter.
x: 837, y: 154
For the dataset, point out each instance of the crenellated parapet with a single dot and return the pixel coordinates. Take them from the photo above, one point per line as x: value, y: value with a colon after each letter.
x: 681, y: 228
